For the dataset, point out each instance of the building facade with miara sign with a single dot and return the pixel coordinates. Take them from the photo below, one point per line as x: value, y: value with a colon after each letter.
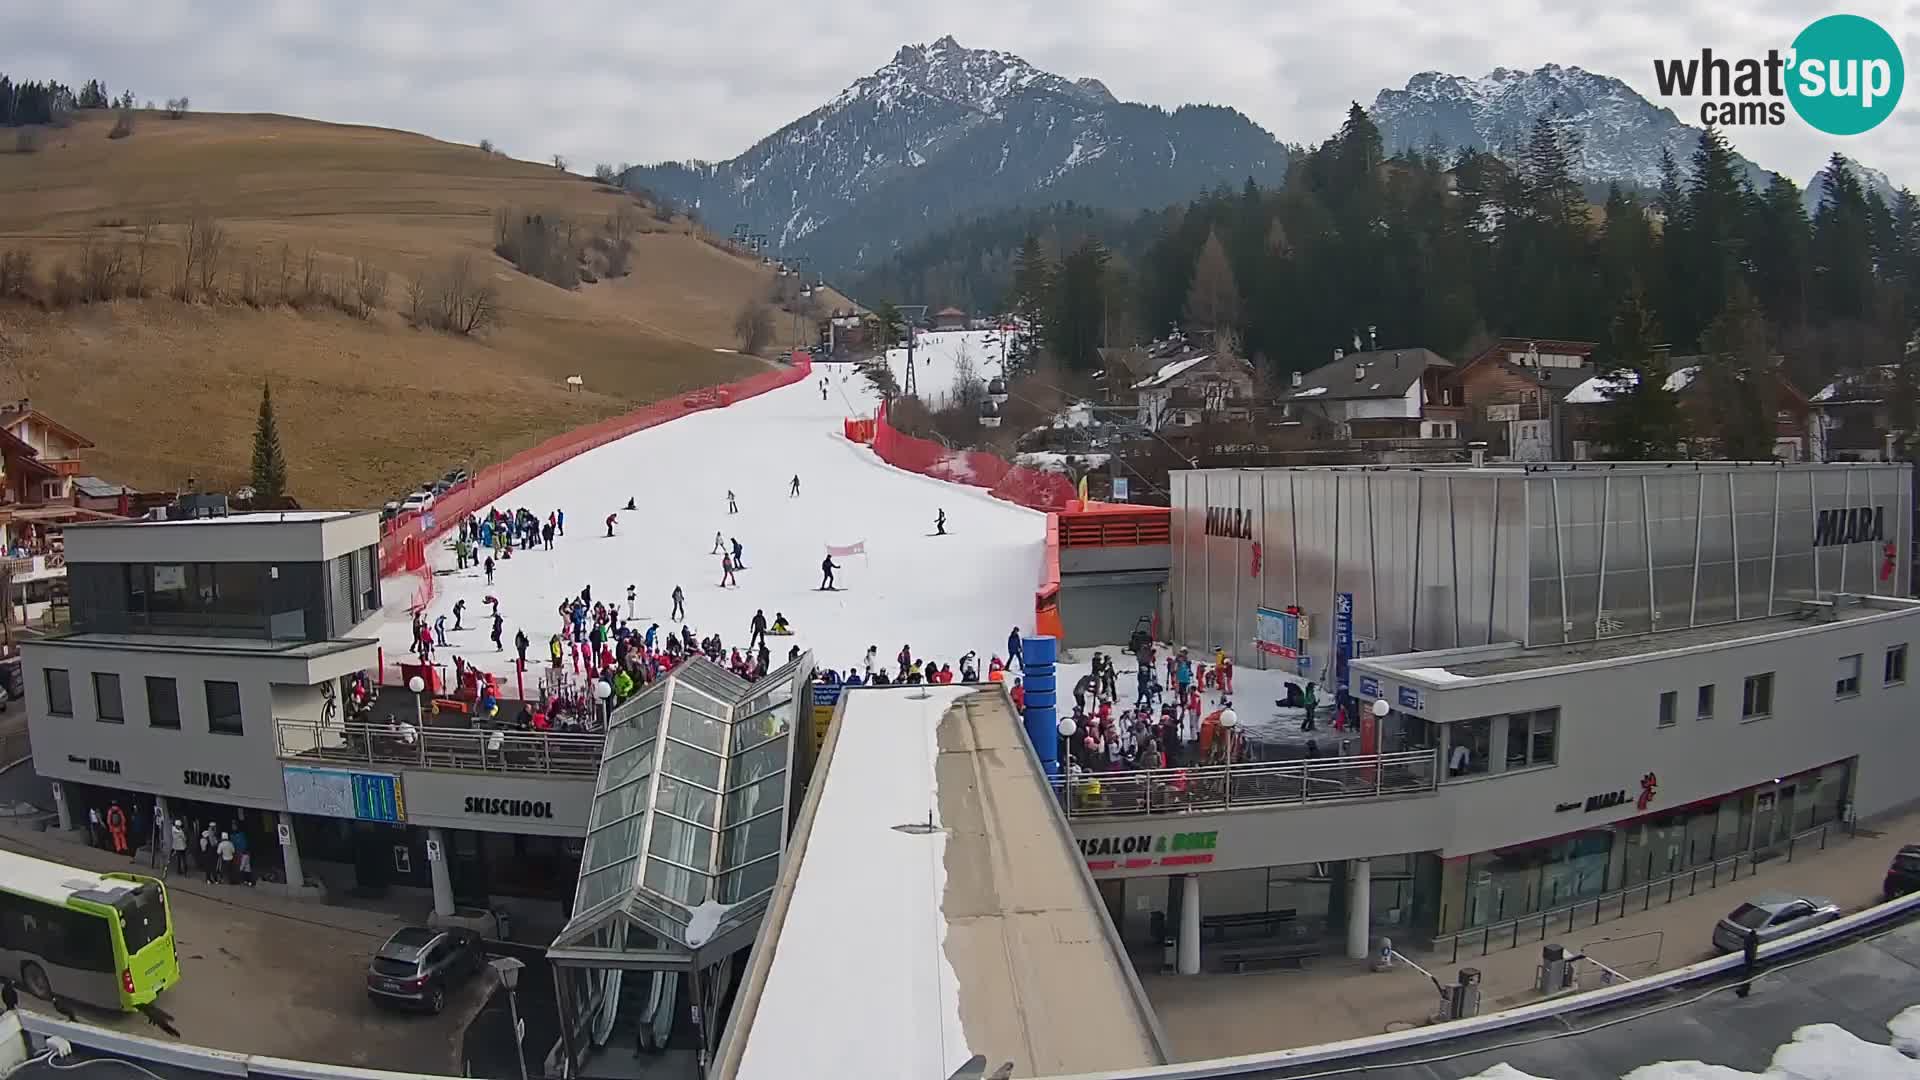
x: 204, y: 678
x: 1614, y: 675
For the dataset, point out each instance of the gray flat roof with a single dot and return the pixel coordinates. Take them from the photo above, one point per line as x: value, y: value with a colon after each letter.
x: 264, y: 517
x: 892, y: 949
x: 1550, y: 469
x: 187, y: 643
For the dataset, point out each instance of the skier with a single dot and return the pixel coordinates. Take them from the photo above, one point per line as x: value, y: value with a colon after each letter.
x: 520, y: 644
x: 560, y: 523
x: 758, y: 628
x: 630, y: 504
x: 458, y: 607
x: 726, y: 572
x: 733, y: 507
x: 794, y: 492
x: 827, y: 567
x: 440, y: 631
x: 719, y: 544
x: 498, y: 622
x: 611, y: 518
x: 489, y: 566
x: 739, y: 554
x: 873, y: 653
x: 940, y: 524
x: 629, y: 601
x: 679, y: 605
x: 1013, y: 651
x: 823, y: 389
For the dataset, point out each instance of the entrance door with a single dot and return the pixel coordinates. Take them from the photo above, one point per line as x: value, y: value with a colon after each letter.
x: 467, y: 867
x: 1766, y: 814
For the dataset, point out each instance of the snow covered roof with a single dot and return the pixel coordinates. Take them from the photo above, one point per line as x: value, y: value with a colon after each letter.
x: 1385, y: 373
x: 1170, y: 371
x: 1602, y: 389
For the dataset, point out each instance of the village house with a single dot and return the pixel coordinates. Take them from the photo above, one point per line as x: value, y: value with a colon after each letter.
x: 1189, y: 386
x: 1380, y: 394
x: 1853, y: 416
x: 1587, y: 403
x: 951, y: 318
x: 1508, y: 396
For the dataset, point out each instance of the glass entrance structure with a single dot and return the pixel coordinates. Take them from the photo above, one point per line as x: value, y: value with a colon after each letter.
x: 688, y: 824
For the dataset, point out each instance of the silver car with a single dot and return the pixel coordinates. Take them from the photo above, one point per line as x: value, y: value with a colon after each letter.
x: 1774, y: 915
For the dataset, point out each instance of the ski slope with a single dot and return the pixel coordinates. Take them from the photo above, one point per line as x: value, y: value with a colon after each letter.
x: 937, y: 358
x: 942, y: 595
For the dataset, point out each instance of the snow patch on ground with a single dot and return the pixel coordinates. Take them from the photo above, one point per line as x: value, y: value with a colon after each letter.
x: 1905, y: 1027
x: 1057, y: 462
x: 1436, y: 674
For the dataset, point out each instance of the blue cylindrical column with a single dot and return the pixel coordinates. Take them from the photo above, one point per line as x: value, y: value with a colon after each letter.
x: 1037, y: 656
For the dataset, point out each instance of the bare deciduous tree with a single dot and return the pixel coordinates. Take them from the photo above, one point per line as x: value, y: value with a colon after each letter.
x: 102, y: 266
x: 604, y: 173
x: 284, y: 280
x: 211, y: 246
x: 753, y: 326
x: 560, y: 162
x: 486, y: 146
x: 122, y: 124
x: 143, y: 238
x: 369, y: 287
x: 309, y: 277
x: 177, y: 107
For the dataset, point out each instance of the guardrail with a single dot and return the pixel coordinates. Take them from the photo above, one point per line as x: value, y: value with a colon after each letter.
x: 1212, y: 787
x: 1618, y: 903
x: 471, y: 749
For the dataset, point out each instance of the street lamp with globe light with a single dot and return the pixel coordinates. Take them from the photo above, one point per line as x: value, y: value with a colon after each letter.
x: 1066, y: 728
x: 601, y: 692
x: 417, y: 684
x: 1229, y: 722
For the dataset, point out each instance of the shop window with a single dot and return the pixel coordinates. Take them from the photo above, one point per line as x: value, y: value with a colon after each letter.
x: 163, y: 703
x: 1703, y: 703
x: 1756, y: 701
x: 106, y: 698
x: 1895, y: 670
x: 223, y: 708
x: 1468, y: 744
x: 1532, y: 738
x: 1847, y: 683
x: 1669, y: 708
x: 59, y: 693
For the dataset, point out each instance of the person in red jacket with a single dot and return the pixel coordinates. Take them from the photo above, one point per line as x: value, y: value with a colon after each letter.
x: 1019, y: 695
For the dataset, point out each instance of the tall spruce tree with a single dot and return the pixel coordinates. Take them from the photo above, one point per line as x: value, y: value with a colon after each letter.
x: 1075, y: 326
x: 1779, y: 253
x: 269, y: 481
x: 1642, y: 421
x: 1842, y: 247
x: 1737, y: 365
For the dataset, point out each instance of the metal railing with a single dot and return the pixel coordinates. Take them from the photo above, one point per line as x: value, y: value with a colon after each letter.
x: 474, y: 749
x: 1511, y: 933
x: 1211, y: 787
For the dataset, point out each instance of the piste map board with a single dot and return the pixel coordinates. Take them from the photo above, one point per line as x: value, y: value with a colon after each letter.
x: 340, y: 793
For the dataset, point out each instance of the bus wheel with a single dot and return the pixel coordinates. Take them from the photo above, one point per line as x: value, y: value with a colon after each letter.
x: 36, y: 979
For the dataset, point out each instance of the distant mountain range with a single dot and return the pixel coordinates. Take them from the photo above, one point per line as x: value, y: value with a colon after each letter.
x: 942, y: 132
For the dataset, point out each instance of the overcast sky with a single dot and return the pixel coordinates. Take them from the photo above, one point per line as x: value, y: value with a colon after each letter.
x: 603, y: 81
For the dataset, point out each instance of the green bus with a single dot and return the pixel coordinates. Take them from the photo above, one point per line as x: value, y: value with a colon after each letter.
x: 104, y: 940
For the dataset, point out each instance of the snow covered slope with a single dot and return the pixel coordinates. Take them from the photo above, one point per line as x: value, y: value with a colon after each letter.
x: 938, y: 357
x: 944, y: 595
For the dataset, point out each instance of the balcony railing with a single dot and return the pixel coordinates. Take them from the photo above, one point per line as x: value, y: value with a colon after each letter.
x: 471, y: 749
x: 1215, y: 787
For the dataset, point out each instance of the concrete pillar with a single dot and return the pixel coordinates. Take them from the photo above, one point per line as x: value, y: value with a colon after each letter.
x: 290, y: 853
x: 1189, y: 958
x: 1359, y: 906
x: 62, y: 806
x: 442, y: 879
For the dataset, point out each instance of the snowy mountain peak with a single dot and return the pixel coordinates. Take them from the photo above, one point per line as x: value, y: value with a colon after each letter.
x: 977, y: 78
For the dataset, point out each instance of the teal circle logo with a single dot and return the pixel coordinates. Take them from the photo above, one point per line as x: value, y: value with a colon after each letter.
x: 1847, y: 75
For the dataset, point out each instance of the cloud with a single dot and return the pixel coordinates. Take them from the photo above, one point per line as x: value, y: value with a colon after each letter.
x: 603, y: 81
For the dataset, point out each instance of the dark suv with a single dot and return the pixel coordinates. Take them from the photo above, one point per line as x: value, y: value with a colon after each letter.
x: 418, y: 966
x: 1903, y: 876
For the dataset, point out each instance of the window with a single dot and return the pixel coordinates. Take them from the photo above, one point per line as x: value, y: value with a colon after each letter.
x: 1669, y: 708
x: 1532, y: 738
x: 1757, y: 699
x: 1703, y: 703
x: 1846, y: 683
x: 106, y: 698
x: 59, y: 693
x: 1895, y: 670
x: 1446, y: 395
x: 163, y: 703
x: 223, y: 708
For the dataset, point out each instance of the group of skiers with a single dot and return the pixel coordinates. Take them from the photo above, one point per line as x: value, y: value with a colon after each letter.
x: 1109, y: 737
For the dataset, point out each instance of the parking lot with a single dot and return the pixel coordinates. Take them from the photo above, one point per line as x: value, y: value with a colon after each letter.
x: 263, y: 975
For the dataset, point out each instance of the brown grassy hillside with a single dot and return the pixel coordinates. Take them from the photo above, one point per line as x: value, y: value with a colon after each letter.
x: 367, y: 408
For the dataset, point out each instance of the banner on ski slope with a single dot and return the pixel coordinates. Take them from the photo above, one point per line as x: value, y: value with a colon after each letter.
x: 1032, y: 488
x: 403, y: 543
x: 851, y: 549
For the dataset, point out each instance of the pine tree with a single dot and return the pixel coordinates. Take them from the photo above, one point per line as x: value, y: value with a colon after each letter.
x: 1714, y: 246
x: 1842, y: 247
x: 1032, y: 282
x: 1780, y: 239
x: 269, y: 465
x: 1213, y: 300
x: 887, y: 325
x: 1738, y: 368
x: 1079, y: 306
x: 1642, y: 421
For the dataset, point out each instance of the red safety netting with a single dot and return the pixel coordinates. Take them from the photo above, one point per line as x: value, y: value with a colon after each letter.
x: 1032, y: 488
x: 403, y: 543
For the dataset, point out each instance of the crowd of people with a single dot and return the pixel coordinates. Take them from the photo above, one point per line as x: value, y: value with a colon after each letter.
x: 1166, y: 724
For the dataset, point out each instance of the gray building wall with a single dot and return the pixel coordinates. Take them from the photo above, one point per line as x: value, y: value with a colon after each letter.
x: 1609, y: 737
x: 1449, y: 557
x: 268, y: 537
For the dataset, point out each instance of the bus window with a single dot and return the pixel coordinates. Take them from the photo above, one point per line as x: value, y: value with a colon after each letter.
x: 143, y: 918
x: 78, y: 940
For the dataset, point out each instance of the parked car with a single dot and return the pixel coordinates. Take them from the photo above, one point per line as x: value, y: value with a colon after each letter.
x: 439, y: 487
x: 419, y: 966
x: 417, y: 502
x: 1903, y: 875
x: 455, y: 476
x: 1774, y: 915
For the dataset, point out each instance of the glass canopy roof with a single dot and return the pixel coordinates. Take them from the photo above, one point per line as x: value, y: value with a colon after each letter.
x: 689, y: 813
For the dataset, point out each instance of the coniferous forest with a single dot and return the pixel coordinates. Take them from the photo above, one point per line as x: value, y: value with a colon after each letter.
x: 1446, y: 253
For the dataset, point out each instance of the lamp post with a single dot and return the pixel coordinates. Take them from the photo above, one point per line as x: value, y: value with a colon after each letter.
x: 507, y: 969
x: 1066, y: 728
x: 601, y: 692
x: 1229, y: 721
x: 417, y: 684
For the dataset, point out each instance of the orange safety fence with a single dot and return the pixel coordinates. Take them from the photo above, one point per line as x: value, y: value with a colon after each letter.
x: 860, y: 430
x: 1046, y: 599
x: 1032, y: 488
x: 403, y: 542
x: 1114, y: 525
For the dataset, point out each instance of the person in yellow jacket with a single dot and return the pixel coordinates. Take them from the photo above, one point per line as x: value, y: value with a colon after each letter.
x: 553, y: 649
x: 622, y: 685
